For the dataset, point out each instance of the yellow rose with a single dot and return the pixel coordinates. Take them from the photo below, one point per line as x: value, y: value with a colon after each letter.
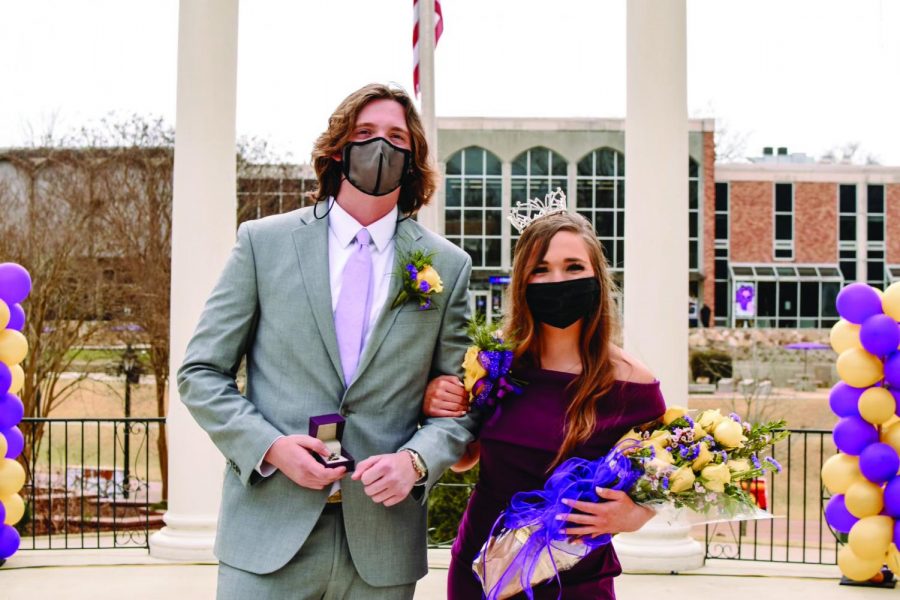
x: 703, y: 457
x: 699, y: 432
x: 631, y: 435
x: 474, y: 370
x: 730, y: 434
x: 738, y: 465
x: 431, y: 277
x: 660, y: 437
x: 708, y: 419
x: 673, y: 414
x: 715, y: 477
x: 681, y: 480
x: 662, y: 454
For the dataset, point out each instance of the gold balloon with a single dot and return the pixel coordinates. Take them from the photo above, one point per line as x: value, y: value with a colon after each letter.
x: 893, y: 559
x: 12, y: 477
x: 13, y: 346
x: 870, y: 537
x: 18, y: 378
x: 844, y: 336
x: 856, y: 568
x: 4, y: 314
x: 877, y: 405
x: 890, y: 301
x: 855, y: 366
x: 15, y: 508
x: 4, y: 445
x: 864, y: 499
x: 840, y: 472
x: 891, y: 436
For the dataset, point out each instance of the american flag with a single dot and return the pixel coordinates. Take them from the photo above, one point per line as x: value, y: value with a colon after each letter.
x: 438, y: 30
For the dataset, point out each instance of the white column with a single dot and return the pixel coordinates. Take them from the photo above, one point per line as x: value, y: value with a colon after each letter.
x: 428, y: 215
x: 656, y: 239
x: 505, y: 226
x: 203, y: 232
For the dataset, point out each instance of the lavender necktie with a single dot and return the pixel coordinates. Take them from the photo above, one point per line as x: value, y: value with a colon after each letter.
x: 351, y: 316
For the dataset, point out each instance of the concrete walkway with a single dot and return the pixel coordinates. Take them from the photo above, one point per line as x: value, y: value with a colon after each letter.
x: 87, y: 575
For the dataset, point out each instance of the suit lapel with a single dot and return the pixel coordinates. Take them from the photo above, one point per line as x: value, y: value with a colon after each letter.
x: 311, y: 243
x: 404, y: 240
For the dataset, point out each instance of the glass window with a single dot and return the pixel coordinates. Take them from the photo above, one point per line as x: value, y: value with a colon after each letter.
x: 721, y: 226
x: 848, y: 228
x: 601, y: 199
x: 721, y: 197
x: 875, y: 198
x: 876, y: 228
x: 848, y: 198
x: 473, y: 198
x: 784, y: 200
x: 809, y: 299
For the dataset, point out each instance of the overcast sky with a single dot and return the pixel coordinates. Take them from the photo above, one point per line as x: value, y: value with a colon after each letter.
x: 807, y: 74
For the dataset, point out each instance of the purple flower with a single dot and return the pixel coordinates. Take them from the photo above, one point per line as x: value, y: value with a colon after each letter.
x: 755, y: 460
x: 689, y: 420
x: 426, y: 304
x: 424, y: 287
x: 774, y: 463
x: 665, y: 482
x: 735, y: 417
x: 413, y: 272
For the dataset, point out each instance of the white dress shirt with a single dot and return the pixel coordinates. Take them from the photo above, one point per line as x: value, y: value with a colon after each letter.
x: 342, y: 230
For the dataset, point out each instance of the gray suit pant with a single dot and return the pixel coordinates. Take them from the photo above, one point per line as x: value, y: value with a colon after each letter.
x: 321, y: 570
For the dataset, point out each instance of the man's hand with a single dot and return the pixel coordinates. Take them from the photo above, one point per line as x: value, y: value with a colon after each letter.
x: 445, y: 396
x: 388, y: 478
x: 291, y: 455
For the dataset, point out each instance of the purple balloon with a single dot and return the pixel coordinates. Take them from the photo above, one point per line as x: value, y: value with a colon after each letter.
x: 11, y: 410
x: 15, y: 442
x: 892, y: 369
x: 857, y: 302
x: 879, y: 462
x: 15, y: 283
x: 838, y: 516
x: 16, y: 317
x: 853, y: 434
x: 5, y: 378
x: 9, y: 541
x: 880, y: 335
x: 844, y: 399
x: 892, y: 497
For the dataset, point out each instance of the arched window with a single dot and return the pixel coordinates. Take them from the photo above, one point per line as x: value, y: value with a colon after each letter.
x: 535, y: 173
x: 601, y: 199
x: 473, y: 211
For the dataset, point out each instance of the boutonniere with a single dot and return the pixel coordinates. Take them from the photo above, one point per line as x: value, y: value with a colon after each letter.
x: 488, y: 365
x: 419, y: 281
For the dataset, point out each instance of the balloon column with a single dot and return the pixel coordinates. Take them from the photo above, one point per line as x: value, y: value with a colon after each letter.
x: 15, y: 284
x: 863, y: 478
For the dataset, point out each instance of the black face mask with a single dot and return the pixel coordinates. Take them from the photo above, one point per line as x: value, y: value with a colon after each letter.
x: 562, y: 303
x: 376, y: 166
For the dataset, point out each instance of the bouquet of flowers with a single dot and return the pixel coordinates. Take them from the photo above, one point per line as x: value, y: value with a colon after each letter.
x: 691, y: 466
x: 487, y: 364
x: 419, y: 281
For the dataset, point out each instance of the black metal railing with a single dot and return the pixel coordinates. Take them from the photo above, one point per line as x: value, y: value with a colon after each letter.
x: 797, y: 533
x: 91, y: 483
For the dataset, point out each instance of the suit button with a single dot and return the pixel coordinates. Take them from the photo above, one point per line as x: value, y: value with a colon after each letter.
x: 345, y: 412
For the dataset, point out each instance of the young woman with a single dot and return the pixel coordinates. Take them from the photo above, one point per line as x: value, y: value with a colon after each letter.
x: 582, y: 394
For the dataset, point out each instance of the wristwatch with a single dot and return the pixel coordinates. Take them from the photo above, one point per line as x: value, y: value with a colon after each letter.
x: 418, y: 465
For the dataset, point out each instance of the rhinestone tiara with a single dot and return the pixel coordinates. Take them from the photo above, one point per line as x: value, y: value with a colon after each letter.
x: 525, y: 213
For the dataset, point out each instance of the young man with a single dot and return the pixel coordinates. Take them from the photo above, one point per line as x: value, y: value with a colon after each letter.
x: 307, y: 298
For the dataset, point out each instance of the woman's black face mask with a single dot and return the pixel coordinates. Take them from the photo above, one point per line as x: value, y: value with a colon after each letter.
x: 562, y: 303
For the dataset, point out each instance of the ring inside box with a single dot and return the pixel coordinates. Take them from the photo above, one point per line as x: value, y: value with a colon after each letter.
x: 330, y: 429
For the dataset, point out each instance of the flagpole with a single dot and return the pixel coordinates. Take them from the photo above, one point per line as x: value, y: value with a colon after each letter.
x: 429, y: 216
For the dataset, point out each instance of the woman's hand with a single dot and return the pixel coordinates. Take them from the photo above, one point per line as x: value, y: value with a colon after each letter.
x: 617, y: 515
x: 445, y: 396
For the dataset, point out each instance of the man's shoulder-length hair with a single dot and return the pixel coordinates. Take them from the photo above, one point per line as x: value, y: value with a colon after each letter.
x: 419, y: 184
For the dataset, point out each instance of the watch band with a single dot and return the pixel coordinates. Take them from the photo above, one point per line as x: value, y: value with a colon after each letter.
x: 418, y: 465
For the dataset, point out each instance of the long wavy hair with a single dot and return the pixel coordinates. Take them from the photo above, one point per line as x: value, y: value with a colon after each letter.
x: 419, y: 183
x: 597, y: 329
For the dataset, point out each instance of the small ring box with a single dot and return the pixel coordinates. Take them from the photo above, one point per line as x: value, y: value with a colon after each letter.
x: 330, y: 429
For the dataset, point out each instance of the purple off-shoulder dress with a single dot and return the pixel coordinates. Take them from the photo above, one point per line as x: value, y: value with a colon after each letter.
x: 518, y: 444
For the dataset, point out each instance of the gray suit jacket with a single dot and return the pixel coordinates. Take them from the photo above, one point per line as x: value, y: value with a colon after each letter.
x: 273, y: 304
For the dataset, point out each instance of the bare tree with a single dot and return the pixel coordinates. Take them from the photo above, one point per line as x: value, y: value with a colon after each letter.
x: 49, y: 217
